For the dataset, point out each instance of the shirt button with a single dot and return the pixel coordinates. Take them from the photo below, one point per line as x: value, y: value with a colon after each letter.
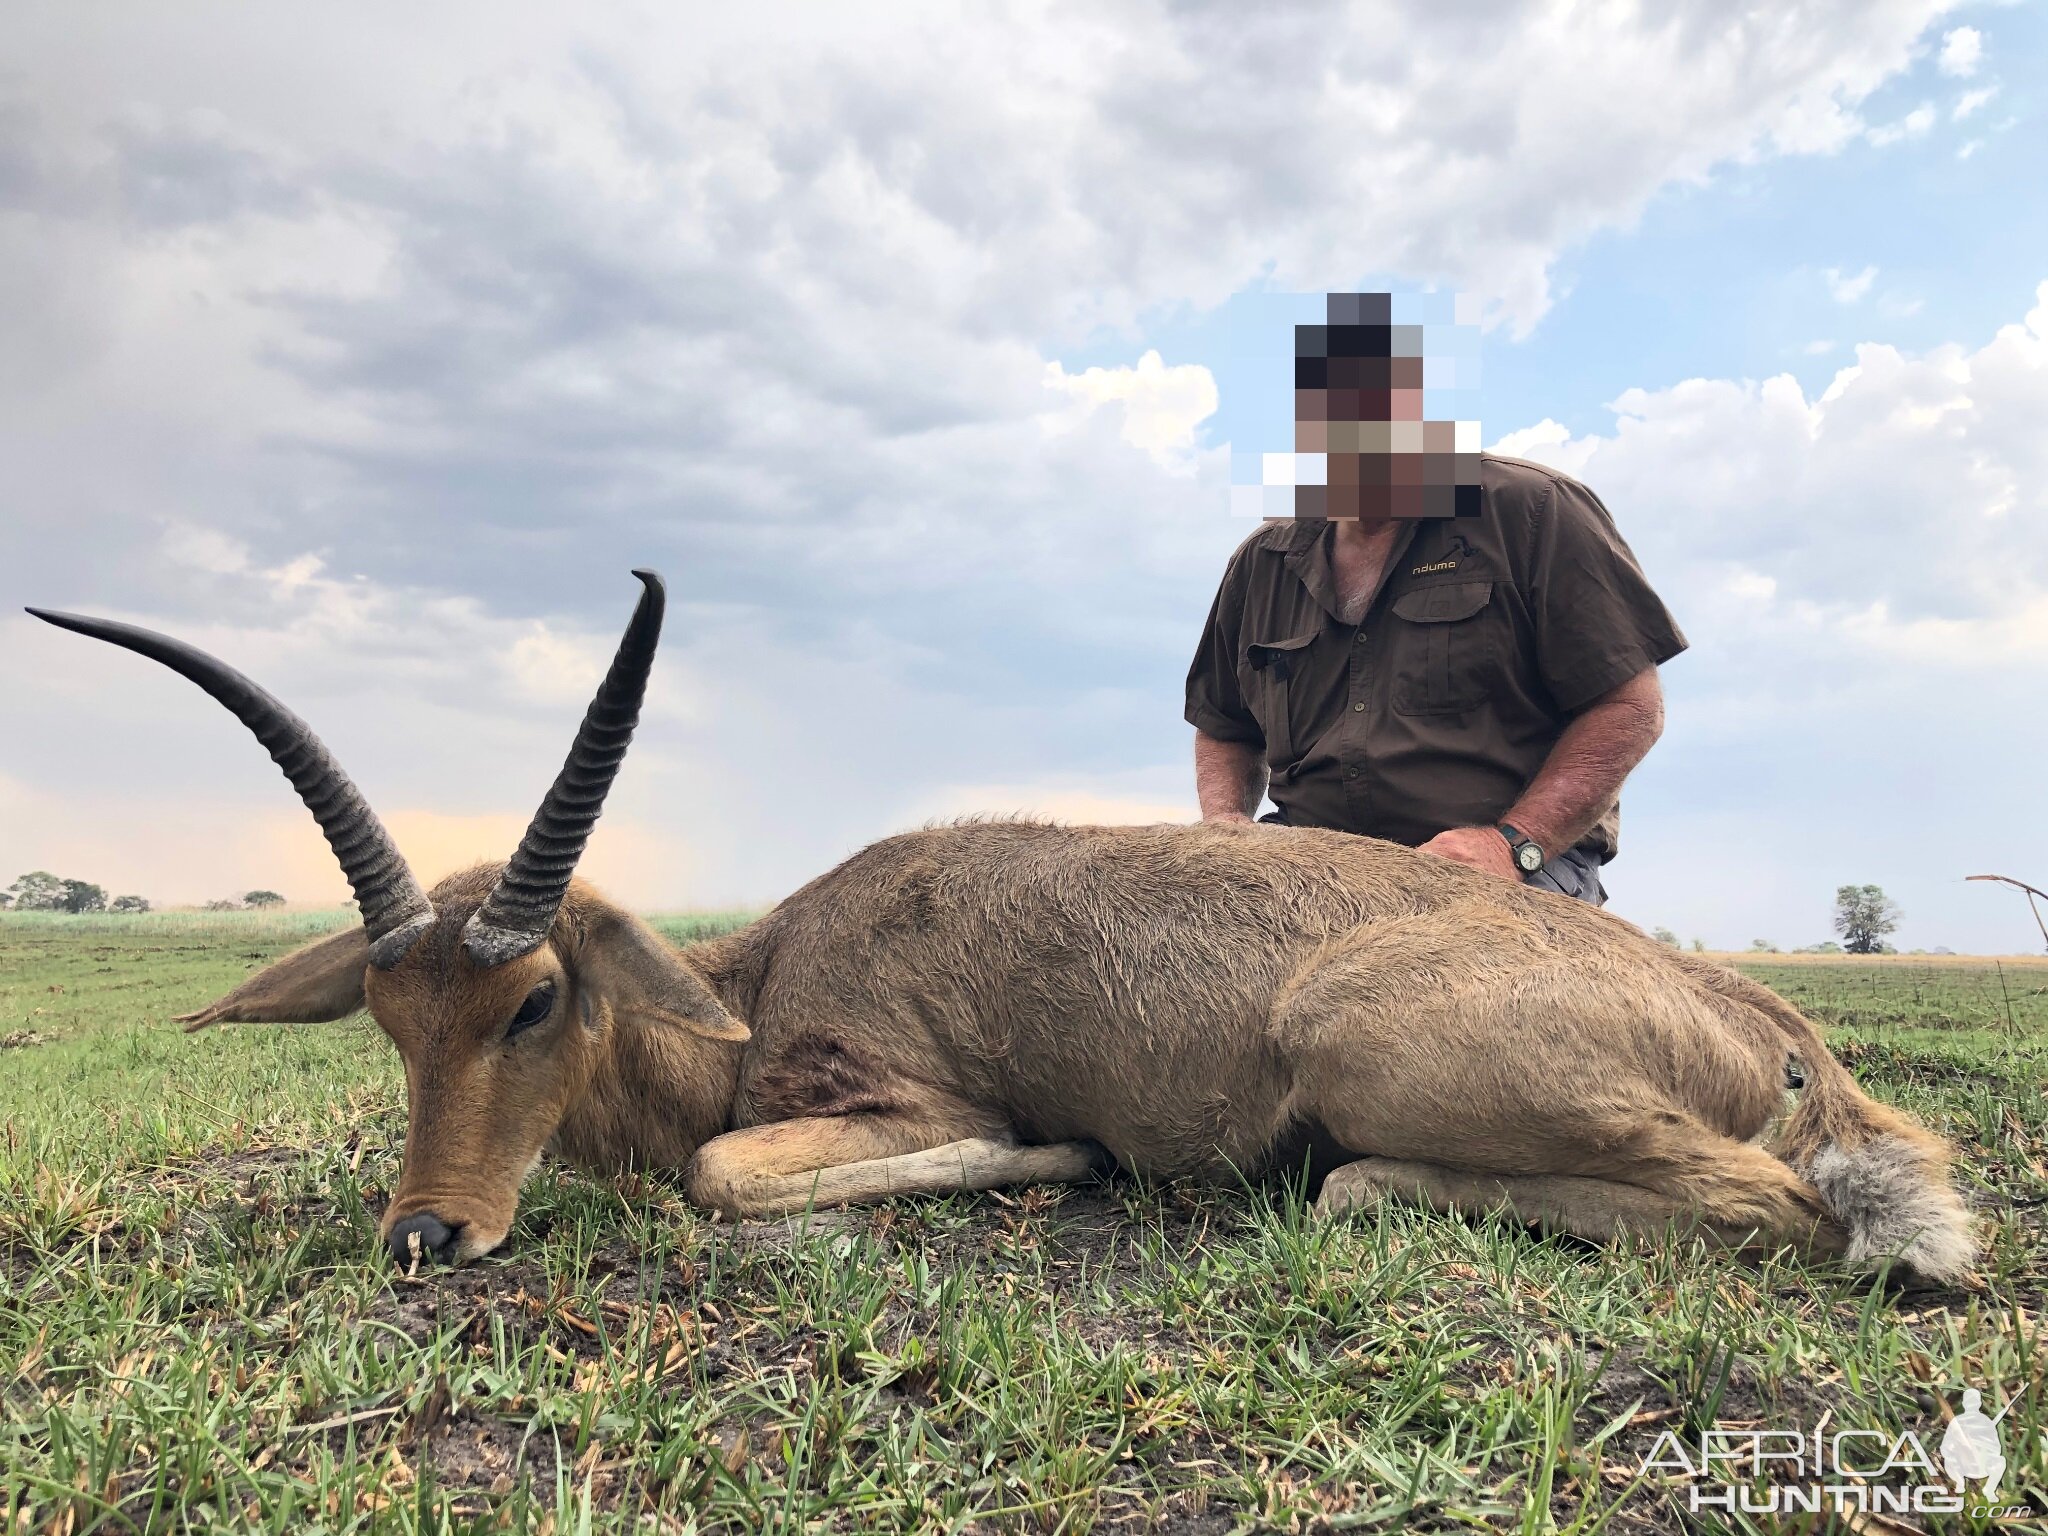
x: 1358, y: 709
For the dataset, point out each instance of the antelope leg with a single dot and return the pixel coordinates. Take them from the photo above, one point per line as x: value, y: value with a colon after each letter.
x: 744, y: 1173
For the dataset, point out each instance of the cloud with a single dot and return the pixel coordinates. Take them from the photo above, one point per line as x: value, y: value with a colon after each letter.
x: 1818, y: 348
x: 1848, y: 288
x: 575, y: 289
x: 1161, y: 406
x: 1962, y: 50
x: 1863, y: 575
x: 1912, y: 126
x: 372, y: 351
x: 1549, y: 442
x: 1970, y: 101
x: 1899, y: 513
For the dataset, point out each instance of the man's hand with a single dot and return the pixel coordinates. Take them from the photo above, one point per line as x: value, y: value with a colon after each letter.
x: 1481, y: 847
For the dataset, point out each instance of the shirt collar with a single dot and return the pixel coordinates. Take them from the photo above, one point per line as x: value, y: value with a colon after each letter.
x: 1308, y: 557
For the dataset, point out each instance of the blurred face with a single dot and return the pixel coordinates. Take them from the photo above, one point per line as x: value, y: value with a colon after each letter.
x: 1358, y: 406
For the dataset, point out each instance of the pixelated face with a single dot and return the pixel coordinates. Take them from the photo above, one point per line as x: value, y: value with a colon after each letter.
x: 1358, y: 382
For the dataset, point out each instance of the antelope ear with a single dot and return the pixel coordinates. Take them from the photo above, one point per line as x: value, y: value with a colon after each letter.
x: 629, y: 965
x: 308, y: 986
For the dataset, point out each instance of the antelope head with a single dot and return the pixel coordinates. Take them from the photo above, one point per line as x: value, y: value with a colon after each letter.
x: 501, y: 989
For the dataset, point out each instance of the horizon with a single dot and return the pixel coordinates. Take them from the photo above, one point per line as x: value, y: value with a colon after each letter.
x: 917, y: 356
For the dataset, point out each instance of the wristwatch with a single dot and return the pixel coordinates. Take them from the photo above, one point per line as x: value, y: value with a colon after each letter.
x: 1527, y: 855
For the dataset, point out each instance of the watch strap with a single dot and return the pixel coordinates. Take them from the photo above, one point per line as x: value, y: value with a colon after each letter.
x: 1517, y: 841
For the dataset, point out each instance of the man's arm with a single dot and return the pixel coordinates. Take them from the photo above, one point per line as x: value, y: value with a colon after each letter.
x: 1230, y: 776
x: 1577, y: 782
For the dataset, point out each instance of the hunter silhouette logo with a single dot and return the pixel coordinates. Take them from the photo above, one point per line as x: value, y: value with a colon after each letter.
x: 1755, y: 1471
x: 1970, y: 1447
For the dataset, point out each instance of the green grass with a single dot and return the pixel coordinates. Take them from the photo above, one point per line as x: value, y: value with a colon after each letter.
x: 197, y: 1331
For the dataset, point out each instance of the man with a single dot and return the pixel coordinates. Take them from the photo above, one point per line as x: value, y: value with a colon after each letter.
x: 1453, y: 651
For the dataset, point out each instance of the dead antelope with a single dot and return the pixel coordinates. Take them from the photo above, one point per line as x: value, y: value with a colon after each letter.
x: 1001, y: 1002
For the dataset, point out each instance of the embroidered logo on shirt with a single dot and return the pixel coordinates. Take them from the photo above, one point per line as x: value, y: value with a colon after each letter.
x: 1450, y: 561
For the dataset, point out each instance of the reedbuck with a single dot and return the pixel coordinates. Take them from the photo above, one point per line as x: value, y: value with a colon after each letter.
x: 1003, y: 1002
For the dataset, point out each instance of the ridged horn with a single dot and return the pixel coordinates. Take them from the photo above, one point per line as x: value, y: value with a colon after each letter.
x: 395, y: 910
x: 514, y: 920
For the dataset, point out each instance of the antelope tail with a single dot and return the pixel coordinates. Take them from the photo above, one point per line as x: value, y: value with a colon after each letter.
x: 1883, y: 1178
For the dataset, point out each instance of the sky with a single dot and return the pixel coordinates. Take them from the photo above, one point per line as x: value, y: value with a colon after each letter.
x: 369, y: 347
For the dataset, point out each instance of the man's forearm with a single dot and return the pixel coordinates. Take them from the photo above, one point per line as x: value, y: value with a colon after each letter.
x: 1584, y: 771
x: 1230, y: 776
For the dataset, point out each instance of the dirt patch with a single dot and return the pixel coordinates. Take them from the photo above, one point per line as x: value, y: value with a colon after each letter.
x: 482, y: 1454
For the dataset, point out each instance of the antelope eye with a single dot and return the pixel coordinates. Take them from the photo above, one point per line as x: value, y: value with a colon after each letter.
x: 539, y: 1004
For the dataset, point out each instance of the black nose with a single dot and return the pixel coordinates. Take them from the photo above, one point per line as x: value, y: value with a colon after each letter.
x: 436, y: 1238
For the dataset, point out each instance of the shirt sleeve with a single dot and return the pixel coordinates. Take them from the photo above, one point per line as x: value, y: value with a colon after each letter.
x: 1215, y: 706
x: 1598, y: 622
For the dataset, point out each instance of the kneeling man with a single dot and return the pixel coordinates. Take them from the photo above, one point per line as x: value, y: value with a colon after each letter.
x: 1466, y: 668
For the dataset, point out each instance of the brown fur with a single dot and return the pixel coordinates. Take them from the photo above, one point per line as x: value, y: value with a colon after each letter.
x: 1193, y: 999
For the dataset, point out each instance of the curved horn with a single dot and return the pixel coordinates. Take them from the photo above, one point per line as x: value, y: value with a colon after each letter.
x: 395, y: 910
x: 514, y: 920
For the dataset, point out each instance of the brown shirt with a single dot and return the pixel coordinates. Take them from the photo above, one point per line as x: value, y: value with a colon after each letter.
x: 1487, y: 635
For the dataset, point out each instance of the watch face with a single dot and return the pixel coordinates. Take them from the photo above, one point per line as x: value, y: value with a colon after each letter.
x: 1530, y: 857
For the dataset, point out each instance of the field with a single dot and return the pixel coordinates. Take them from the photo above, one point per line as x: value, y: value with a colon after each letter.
x: 199, y: 1332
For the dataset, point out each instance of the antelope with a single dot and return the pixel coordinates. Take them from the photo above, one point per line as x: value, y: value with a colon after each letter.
x: 1000, y: 1002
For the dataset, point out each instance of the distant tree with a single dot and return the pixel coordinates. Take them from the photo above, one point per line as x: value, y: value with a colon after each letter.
x: 1698, y: 948
x: 1664, y: 936
x: 1763, y: 946
x: 129, y: 904
x: 38, y: 891
x: 1825, y: 947
x: 1863, y: 916
x: 6, y: 900
x: 84, y: 896
x: 225, y: 904
x: 263, y: 899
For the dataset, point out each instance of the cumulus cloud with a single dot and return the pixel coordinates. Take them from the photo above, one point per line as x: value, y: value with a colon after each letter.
x: 1962, y: 50
x: 377, y: 347
x: 1161, y: 406
x: 1901, y: 511
x: 1863, y: 574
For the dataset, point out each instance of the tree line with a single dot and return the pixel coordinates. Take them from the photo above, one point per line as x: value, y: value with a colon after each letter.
x: 41, y: 891
x: 1864, y: 916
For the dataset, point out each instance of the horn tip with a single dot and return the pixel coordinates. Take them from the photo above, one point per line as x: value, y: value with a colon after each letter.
x: 78, y: 623
x: 649, y: 578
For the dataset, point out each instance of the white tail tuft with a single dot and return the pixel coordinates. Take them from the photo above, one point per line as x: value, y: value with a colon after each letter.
x: 1883, y: 1196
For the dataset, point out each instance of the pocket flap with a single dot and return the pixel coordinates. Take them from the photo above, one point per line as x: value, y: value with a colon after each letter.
x: 1262, y: 654
x: 1444, y: 602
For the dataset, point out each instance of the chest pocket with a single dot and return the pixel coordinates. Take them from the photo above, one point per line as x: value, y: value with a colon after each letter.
x: 1443, y: 644
x: 1273, y: 666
